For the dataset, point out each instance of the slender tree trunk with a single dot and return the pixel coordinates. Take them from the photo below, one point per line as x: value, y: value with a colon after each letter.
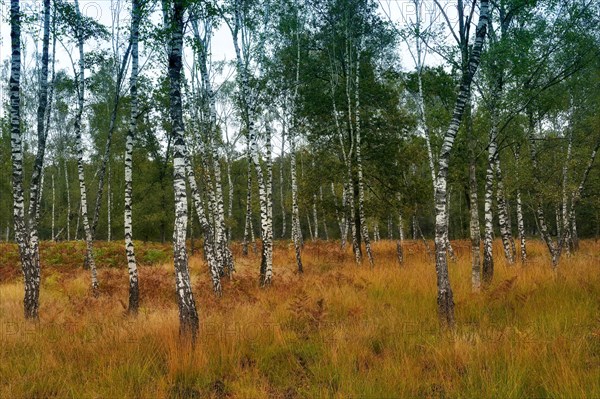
x: 53, y: 204
x: 266, y: 266
x: 295, y: 211
x: 249, y: 103
x: 108, y: 208
x: 574, y: 236
x: 503, y: 216
x: 134, y: 292
x: 414, y: 227
x: 281, y: 192
x: 209, y: 237
x: 107, y: 147
x: 425, y: 133
x: 222, y: 245
x: 91, y: 264
x: 29, y: 266
x: 344, y: 216
x: 541, y: 217
x: 399, y: 250
x: 475, y: 231
x: 315, y: 236
x: 488, y: 240
x: 230, y: 199
x: 248, y: 224
x: 474, y: 228
x: 361, y: 190
x: 37, y: 177
x: 449, y: 249
x: 520, y: 219
x: 445, y: 299
x: 565, y: 207
x: 188, y: 315
x: 68, y: 202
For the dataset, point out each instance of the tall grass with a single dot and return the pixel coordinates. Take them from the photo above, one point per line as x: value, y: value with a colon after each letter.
x: 339, y: 330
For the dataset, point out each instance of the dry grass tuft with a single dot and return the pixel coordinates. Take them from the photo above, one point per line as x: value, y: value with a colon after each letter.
x: 338, y: 330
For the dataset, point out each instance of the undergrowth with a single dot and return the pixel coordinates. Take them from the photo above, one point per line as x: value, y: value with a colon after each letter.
x: 340, y: 330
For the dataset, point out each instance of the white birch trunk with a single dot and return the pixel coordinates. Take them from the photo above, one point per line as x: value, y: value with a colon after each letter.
x: 108, y: 208
x: 91, y: 264
x: 248, y: 225
x: 209, y: 238
x: 266, y: 270
x: 474, y: 230
x: 230, y: 198
x: 296, y: 235
x: 188, y: 315
x: 134, y: 296
x: 281, y: 192
x: 503, y: 216
x: 68, y: 203
x: 520, y: 219
x: 29, y: 264
x: 399, y: 249
x: 445, y: 296
x: 565, y: 206
x: 219, y: 227
x: 488, y: 239
x: 361, y: 190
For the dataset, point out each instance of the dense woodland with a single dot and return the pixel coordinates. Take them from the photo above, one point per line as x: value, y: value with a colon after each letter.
x: 347, y: 120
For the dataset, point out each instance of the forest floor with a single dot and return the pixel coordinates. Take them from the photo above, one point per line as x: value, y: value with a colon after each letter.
x: 339, y: 330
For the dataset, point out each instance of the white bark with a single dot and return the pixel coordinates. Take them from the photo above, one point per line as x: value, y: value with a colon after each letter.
x: 488, y: 239
x: 503, y: 216
x: 91, y: 264
x: 565, y: 207
x: 281, y: 191
x: 520, y: 220
x: 361, y: 190
x: 249, y: 101
x: 129, y: 142
x: 29, y: 263
x: 296, y: 234
x: 188, y: 315
x: 222, y: 245
x: 445, y: 296
x: 68, y: 202
x: 399, y: 249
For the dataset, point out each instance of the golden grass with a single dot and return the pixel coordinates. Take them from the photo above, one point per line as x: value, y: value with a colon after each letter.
x: 337, y: 331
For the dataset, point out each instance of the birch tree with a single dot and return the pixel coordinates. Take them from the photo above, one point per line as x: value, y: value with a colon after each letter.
x: 471, y: 54
x: 249, y: 98
x: 29, y: 264
x: 81, y: 29
x: 202, y: 42
x: 136, y: 15
x: 188, y: 315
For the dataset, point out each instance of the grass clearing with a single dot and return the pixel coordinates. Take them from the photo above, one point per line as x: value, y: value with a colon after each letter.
x: 339, y: 330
